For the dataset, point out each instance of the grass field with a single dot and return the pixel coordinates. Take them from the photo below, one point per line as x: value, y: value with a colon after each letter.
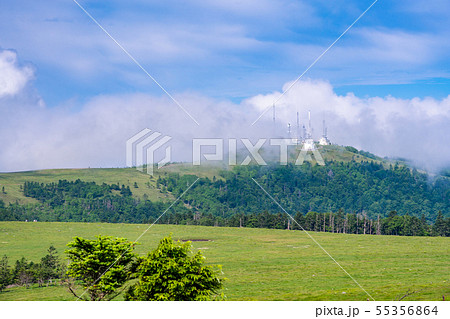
x: 262, y: 264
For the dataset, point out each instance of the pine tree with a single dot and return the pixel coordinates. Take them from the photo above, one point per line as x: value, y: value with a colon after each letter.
x: 439, y: 225
x: 5, y: 273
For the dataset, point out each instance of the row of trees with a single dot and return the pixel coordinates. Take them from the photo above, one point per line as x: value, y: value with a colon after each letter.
x: 339, y: 222
x: 55, y: 194
x: 111, y: 208
x: 393, y: 224
x: 25, y: 273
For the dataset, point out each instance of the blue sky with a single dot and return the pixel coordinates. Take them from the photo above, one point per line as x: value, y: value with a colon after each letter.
x: 230, y: 49
x: 70, y: 97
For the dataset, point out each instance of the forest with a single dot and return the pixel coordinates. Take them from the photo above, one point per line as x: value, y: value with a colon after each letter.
x: 359, y: 198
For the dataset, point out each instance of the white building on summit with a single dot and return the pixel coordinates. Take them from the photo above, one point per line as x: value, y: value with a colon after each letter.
x: 324, y: 139
x: 308, y: 144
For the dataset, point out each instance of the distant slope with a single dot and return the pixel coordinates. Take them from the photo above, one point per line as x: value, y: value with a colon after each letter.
x: 12, y: 182
x: 355, y: 181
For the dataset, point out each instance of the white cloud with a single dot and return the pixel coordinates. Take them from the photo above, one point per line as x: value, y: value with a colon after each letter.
x: 95, y: 136
x: 374, y: 56
x: 399, y: 47
x: 13, y: 77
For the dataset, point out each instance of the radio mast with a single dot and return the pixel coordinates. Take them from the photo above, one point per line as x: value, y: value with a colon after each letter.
x: 273, y: 119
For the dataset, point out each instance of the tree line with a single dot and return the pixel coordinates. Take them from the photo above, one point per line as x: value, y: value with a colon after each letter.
x: 79, y: 201
x: 339, y: 222
x: 25, y: 273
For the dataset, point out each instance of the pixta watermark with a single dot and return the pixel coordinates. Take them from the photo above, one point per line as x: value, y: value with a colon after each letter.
x: 141, y: 149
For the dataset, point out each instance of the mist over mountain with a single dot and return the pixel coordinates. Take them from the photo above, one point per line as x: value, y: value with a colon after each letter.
x: 93, y: 132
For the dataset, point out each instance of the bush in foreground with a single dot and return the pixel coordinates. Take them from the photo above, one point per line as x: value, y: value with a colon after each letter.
x: 173, y: 272
x: 102, y: 266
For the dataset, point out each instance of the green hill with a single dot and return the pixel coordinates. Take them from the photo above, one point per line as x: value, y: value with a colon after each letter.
x: 349, y: 194
x: 12, y: 182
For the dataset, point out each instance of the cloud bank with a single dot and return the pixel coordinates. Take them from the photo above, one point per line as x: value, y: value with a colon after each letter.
x: 93, y: 133
x: 414, y: 129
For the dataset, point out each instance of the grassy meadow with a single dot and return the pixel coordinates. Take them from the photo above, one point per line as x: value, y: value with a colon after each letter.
x: 263, y: 264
